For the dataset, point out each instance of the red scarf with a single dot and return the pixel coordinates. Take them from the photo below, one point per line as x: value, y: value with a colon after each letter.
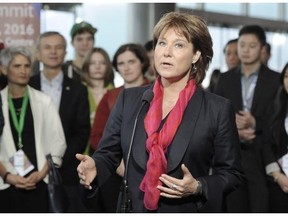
x: 157, y: 142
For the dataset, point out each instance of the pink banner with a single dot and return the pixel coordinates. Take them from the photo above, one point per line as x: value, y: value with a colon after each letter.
x: 19, y: 23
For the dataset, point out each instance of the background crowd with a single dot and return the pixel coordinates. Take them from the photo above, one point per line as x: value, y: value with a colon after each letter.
x: 82, y: 95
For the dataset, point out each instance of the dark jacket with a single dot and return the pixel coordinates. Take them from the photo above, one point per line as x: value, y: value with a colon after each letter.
x: 229, y: 86
x: 74, y: 114
x: 207, y: 137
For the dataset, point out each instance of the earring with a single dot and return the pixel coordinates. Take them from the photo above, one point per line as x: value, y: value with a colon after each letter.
x: 194, y: 68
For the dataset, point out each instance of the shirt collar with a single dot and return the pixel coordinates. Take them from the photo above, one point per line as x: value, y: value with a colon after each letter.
x: 255, y: 73
x: 57, y: 80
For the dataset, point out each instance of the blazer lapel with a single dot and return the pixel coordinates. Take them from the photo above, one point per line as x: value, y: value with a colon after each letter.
x: 181, y: 140
x: 139, y: 152
x: 237, y: 89
x: 66, y: 94
x: 259, y: 90
x: 185, y: 131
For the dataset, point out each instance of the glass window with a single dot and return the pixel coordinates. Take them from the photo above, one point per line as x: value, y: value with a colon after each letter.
x: 112, y: 22
x: 50, y: 22
x: 283, y: 53
x: 279, y: 52
x: 264, y: 10
x: 286, y: 12
x: 187, y: 5
x: 228, y: 8
x: 220, y: 37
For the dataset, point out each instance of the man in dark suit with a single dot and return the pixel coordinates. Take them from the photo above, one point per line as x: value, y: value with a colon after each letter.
x: 71, y: 98
x: 251, y: 87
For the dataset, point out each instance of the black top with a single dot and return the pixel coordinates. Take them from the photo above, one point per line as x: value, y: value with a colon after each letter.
x: 28, y: 136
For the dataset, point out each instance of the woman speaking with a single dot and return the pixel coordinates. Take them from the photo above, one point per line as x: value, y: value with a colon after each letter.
x: 183, y: 153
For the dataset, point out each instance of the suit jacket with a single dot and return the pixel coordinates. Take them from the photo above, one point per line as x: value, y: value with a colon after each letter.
x: 75, y: 118
x: 71, y: 71
x: 207, y: 137
x: 49, y: 134
x: 276, y: 141
x: 229, y: 86
x: 276, y: 144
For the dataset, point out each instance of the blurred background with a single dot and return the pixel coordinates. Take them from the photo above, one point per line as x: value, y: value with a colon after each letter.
x: 123, y: 22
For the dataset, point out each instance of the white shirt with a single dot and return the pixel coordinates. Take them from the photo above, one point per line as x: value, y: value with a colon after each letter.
x: 53, y: 87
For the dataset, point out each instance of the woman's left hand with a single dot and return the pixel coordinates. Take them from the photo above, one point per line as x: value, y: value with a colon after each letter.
x: 178, y: 188
x: 36, y: 177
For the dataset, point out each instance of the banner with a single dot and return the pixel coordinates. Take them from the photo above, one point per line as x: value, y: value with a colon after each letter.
x: 19, y: 23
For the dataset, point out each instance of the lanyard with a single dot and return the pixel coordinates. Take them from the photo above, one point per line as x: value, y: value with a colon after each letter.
x: 19, y: 125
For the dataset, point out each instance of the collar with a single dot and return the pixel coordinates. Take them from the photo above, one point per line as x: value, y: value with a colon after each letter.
x: 57, y: 80
x: 255, y: 73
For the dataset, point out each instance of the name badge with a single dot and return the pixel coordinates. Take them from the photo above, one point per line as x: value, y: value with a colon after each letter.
x: 21, y: 163
x: 19, y: 158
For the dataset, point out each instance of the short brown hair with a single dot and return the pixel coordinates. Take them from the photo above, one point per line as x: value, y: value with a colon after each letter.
x: 138, y: 50
x: 195, y: 30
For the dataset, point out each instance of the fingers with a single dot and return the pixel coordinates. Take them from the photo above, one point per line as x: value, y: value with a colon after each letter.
x: 171, y: 190
x: 169, y: 180
x: 33, y: 177
x: 172, y: 186
x: 247, y: 134
x: 80, y: 167
x: 169, y: 193
x: 244, y: 120
x: 185, y: 170
x: 85, y: 184
x: 26, y: 186
x: 82, y: 178
x: 80, y: 157
x: 241, y: 112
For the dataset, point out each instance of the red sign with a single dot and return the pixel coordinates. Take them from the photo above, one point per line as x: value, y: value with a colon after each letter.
x: 19, y: 23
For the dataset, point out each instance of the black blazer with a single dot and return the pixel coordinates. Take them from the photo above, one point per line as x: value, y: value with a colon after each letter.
x: 74, y: 114
x: 229, y: 86
x: 207, y: 137
x: 275, y: 148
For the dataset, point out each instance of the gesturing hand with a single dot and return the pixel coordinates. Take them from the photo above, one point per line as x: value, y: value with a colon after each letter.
x: 178, y: 188
x: 86, y: 170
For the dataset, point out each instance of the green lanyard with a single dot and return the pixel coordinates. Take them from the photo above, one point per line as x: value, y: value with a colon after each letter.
x: 19, y: 125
